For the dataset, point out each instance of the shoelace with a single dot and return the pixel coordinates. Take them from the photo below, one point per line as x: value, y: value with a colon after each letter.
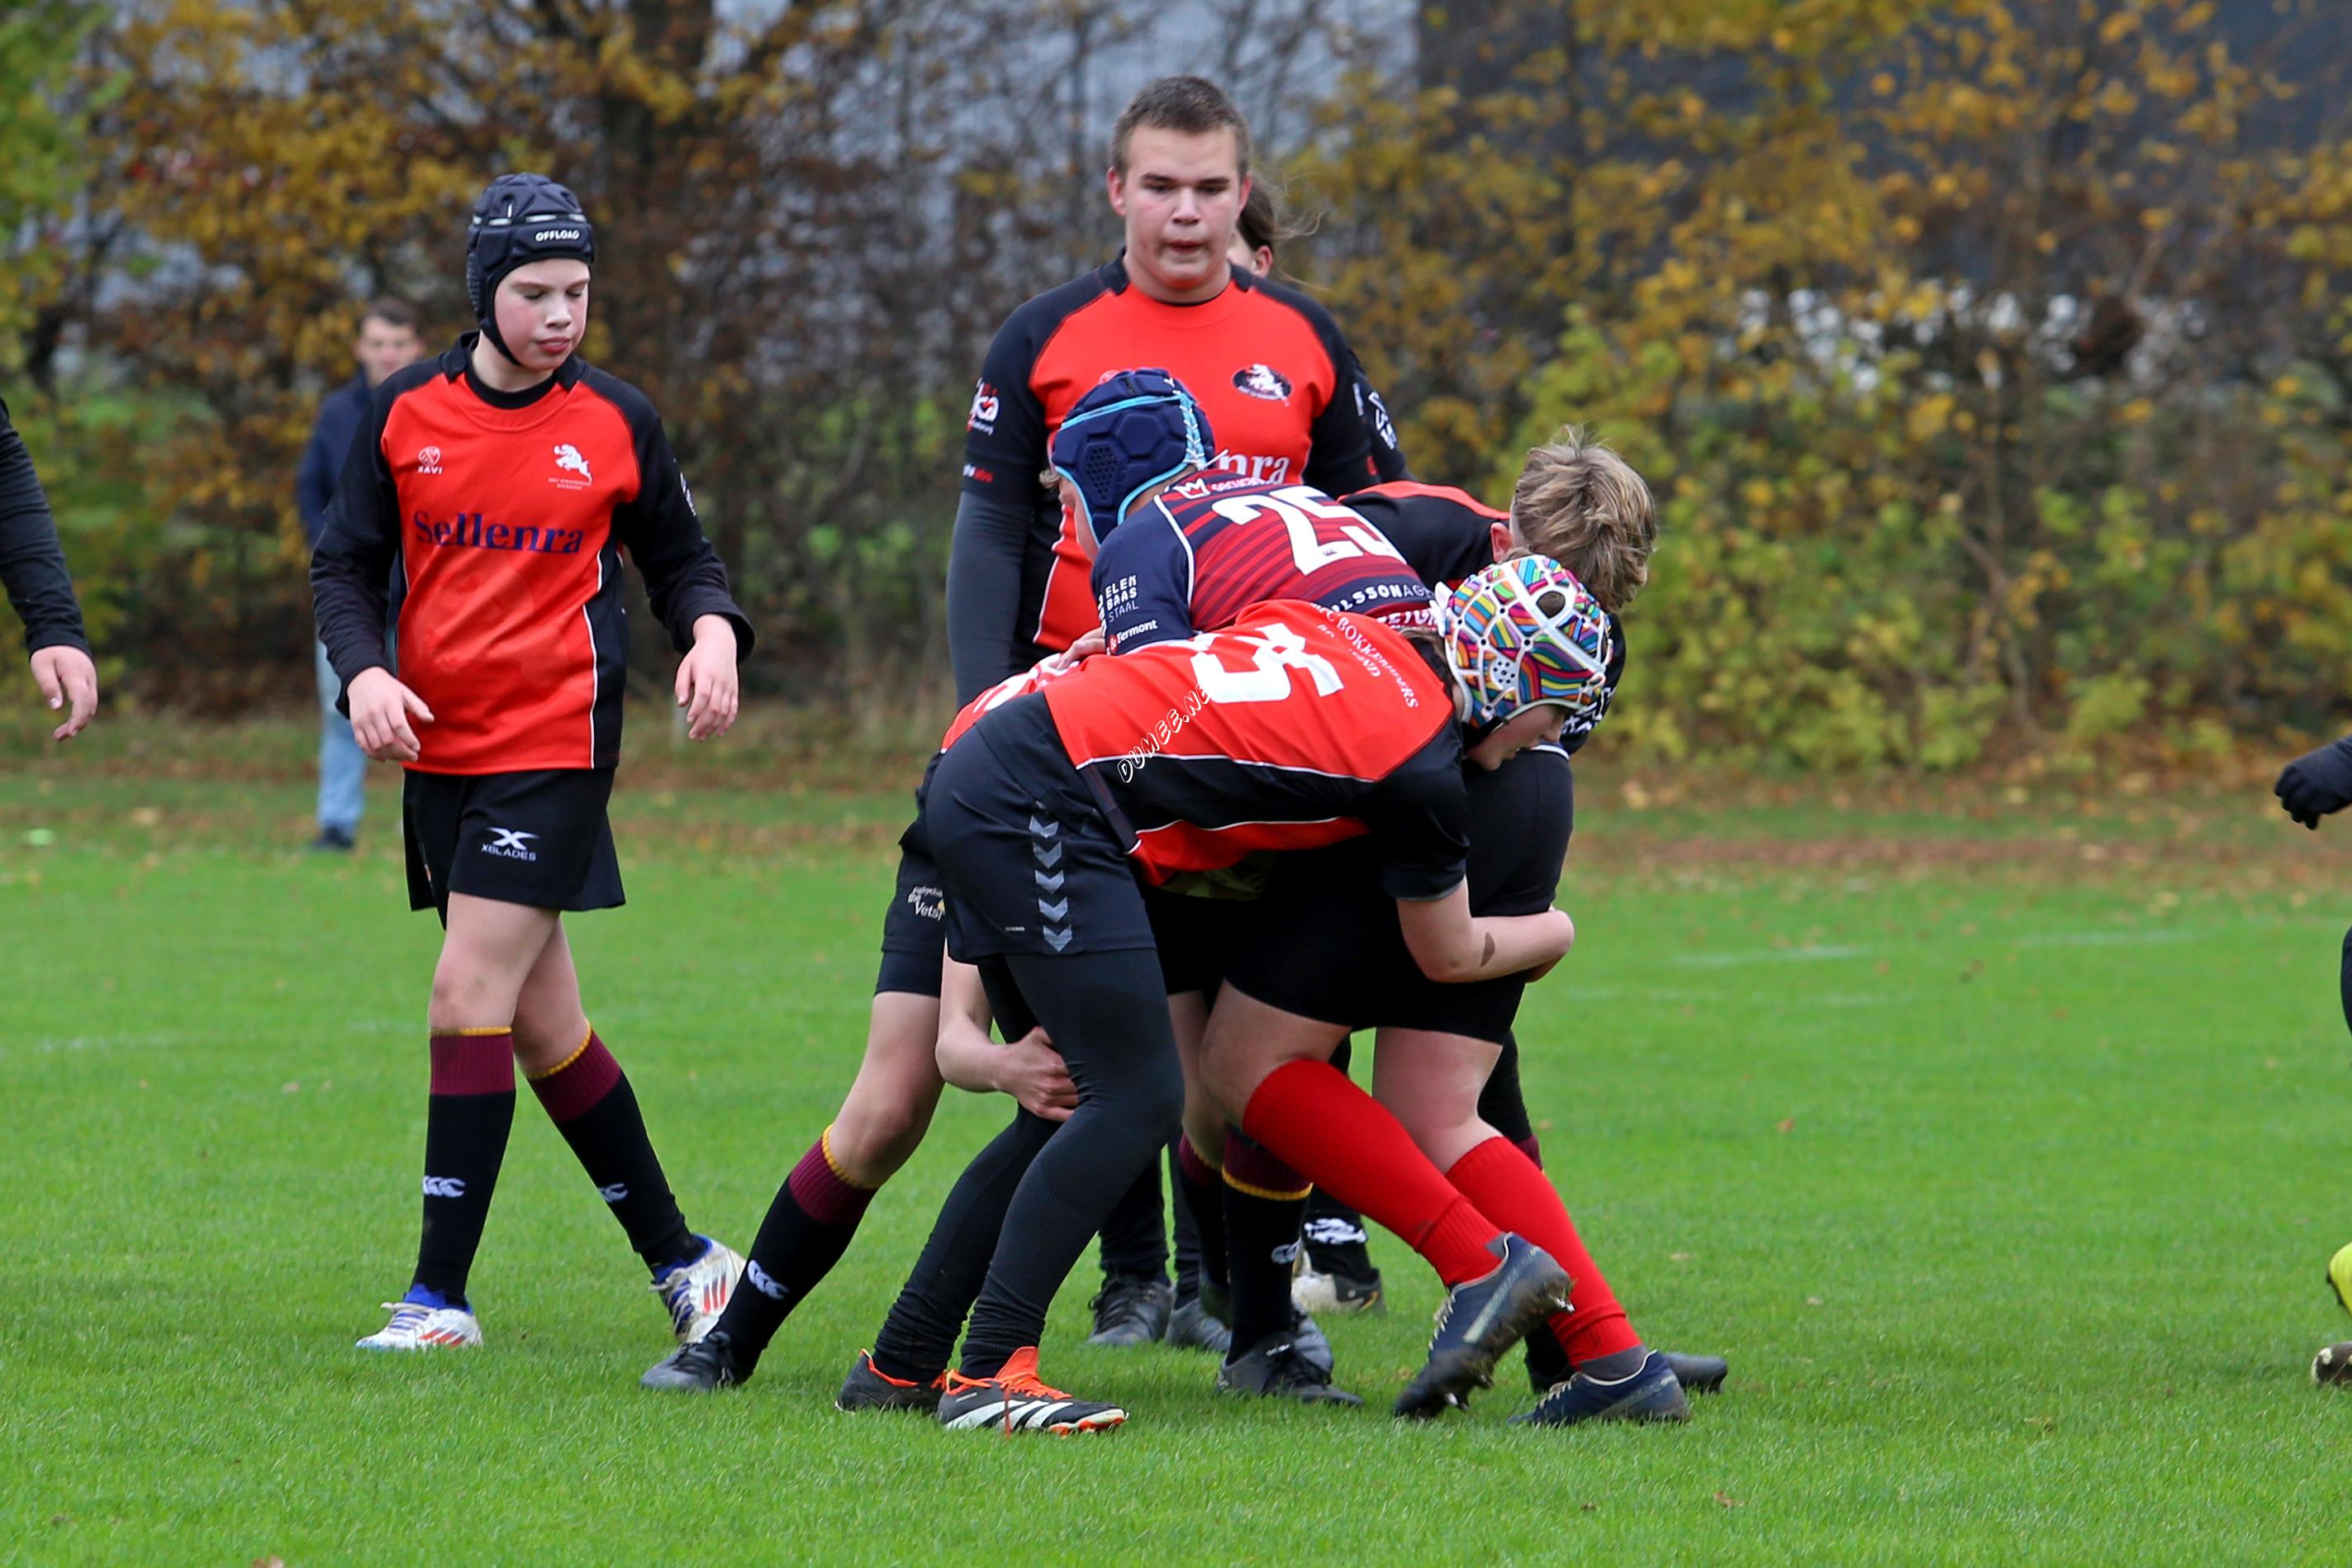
x: 405, y: 1315
x: 677, y: 1288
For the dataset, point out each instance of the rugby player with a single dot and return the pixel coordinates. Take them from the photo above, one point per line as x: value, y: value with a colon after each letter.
x: 1275, y: 377
x: 33, y: 571
x: 506, y: 479
x: 2319, y: 784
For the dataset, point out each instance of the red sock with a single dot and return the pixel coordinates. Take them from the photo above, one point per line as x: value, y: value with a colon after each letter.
x: 1346, y: 1142
x: 1504, y: 1183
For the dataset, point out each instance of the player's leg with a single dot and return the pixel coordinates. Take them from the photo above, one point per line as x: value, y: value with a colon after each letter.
x: 1103, y: 1011
x: 1432, y: 1080
x: 1267, y: 1066
x: 488, y: 952
x: 585, y: 1092
x: 1335, y: 1270
x: 1133, y: 1305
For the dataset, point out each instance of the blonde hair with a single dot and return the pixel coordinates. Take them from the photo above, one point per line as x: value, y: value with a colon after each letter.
x: 1584, y: 506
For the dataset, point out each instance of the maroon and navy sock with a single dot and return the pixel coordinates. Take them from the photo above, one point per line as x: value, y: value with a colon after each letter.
x: 588, y: 1098
x: 1203, y: 1195
x: 1265, y: 1203
x: 807, y: 1229
x: 466, y: 1119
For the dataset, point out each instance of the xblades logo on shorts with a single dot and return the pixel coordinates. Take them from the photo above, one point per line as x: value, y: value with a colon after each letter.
x: 511, y: 844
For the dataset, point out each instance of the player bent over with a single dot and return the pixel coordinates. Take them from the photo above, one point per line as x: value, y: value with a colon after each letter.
x: 2315, y: 785
x: 506, y: 478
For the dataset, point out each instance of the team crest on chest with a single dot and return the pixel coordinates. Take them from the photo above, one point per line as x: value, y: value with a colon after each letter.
x: 572, y: 469
x: 1263, y: 380
x: 428, y: 460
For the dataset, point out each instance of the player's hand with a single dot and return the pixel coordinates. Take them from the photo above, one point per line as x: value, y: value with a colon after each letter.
x: 1033, y: 1072
x: 1086, y: 646
x: 706, y: 685
x: 2316, y: 783
x: 381, y: 711
x: 69, y: 681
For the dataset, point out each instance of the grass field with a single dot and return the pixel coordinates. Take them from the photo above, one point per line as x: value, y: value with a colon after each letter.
x: 2000, y: 1144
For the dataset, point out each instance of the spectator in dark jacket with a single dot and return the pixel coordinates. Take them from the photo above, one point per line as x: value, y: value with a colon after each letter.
x: 33, y: 571
x: 389, y: 340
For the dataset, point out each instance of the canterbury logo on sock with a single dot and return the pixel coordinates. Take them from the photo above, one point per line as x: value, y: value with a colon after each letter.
x: 1287, y: 1252
x: 617, y: 1192
x: 445, y: 1186
x: 1334, y: 1233
x: 763, y: 1282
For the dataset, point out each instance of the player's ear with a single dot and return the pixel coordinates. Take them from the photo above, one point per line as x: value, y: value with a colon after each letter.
x: 1500, y: 533
x: 1115, y: 184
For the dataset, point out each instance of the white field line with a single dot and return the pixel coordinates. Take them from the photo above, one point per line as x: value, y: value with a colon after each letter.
x: 1821, y: 954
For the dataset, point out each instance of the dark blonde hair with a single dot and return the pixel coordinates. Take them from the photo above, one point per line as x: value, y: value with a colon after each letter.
x: 1584, y: 506
x: 1190, y: 105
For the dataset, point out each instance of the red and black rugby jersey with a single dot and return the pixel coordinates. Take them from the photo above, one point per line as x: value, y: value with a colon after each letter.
x: 1267, y: 363
x: 1293, y: 728
x: 508, y: 515
x: 1209, y: 548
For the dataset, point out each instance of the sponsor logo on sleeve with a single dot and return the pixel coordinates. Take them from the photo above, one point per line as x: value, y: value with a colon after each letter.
x: 986, y: 404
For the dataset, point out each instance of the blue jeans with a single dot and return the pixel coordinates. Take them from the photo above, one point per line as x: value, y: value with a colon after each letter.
x: 342, y: 766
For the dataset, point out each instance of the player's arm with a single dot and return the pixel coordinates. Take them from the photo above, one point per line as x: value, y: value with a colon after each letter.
x: 1451, y: 945
x: 1004, y: 450
x: 33, y: 571
x: 686, y: 582
x: 1143, y: 584
x: 314, y: 482
x: 1420, y: 819
x: 2317, y: 783
x: 348, y: 571
x: 1028, y: 1068
x: 1387, y: 452
x: 1339, y: 442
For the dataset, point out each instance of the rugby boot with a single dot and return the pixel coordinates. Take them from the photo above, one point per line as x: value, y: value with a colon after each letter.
x: 1017, y: 1400
x: 1274, y: 1369
x: 424, y: 1321
x: 868, y: 1387
x: 694, y: 1293
x: 705, y: 1366
x: 1131, y: 1309
x: 1481, y: 1319
x: 1192, y: 1327
x: 1648, y: 1393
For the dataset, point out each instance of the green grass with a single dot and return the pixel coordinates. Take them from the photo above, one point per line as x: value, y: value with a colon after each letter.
x: 2002, y: 1149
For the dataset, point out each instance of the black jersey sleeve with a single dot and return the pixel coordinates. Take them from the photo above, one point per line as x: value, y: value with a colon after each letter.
x: 1388, y: 453
x: 1419, y: 820
x: 1004, y: 433
x: 1442, y: 534
x: 985, y: 561
x: 1144, y: 582
x: 32, y: 561
x: 1578, y: 731
x: 350, y: 568
x: 685, y: 579
x: 1339, y: 444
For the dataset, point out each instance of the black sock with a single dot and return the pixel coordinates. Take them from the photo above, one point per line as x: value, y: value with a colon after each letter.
x: 1264, y: 1203
x: 589, y: 1099
x: 1335, y: 1238
x: 808, y: 1227
x: 919, y: 1337
x: 1134, y: 1238
x: 1202, y: 1194
x: 466, y: 1119
x: 1184, y: 1230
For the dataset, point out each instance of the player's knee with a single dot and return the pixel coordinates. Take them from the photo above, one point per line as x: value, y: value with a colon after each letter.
x: 1157, y: 1100
x: 464, y: 999
x: 869, y: 1142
